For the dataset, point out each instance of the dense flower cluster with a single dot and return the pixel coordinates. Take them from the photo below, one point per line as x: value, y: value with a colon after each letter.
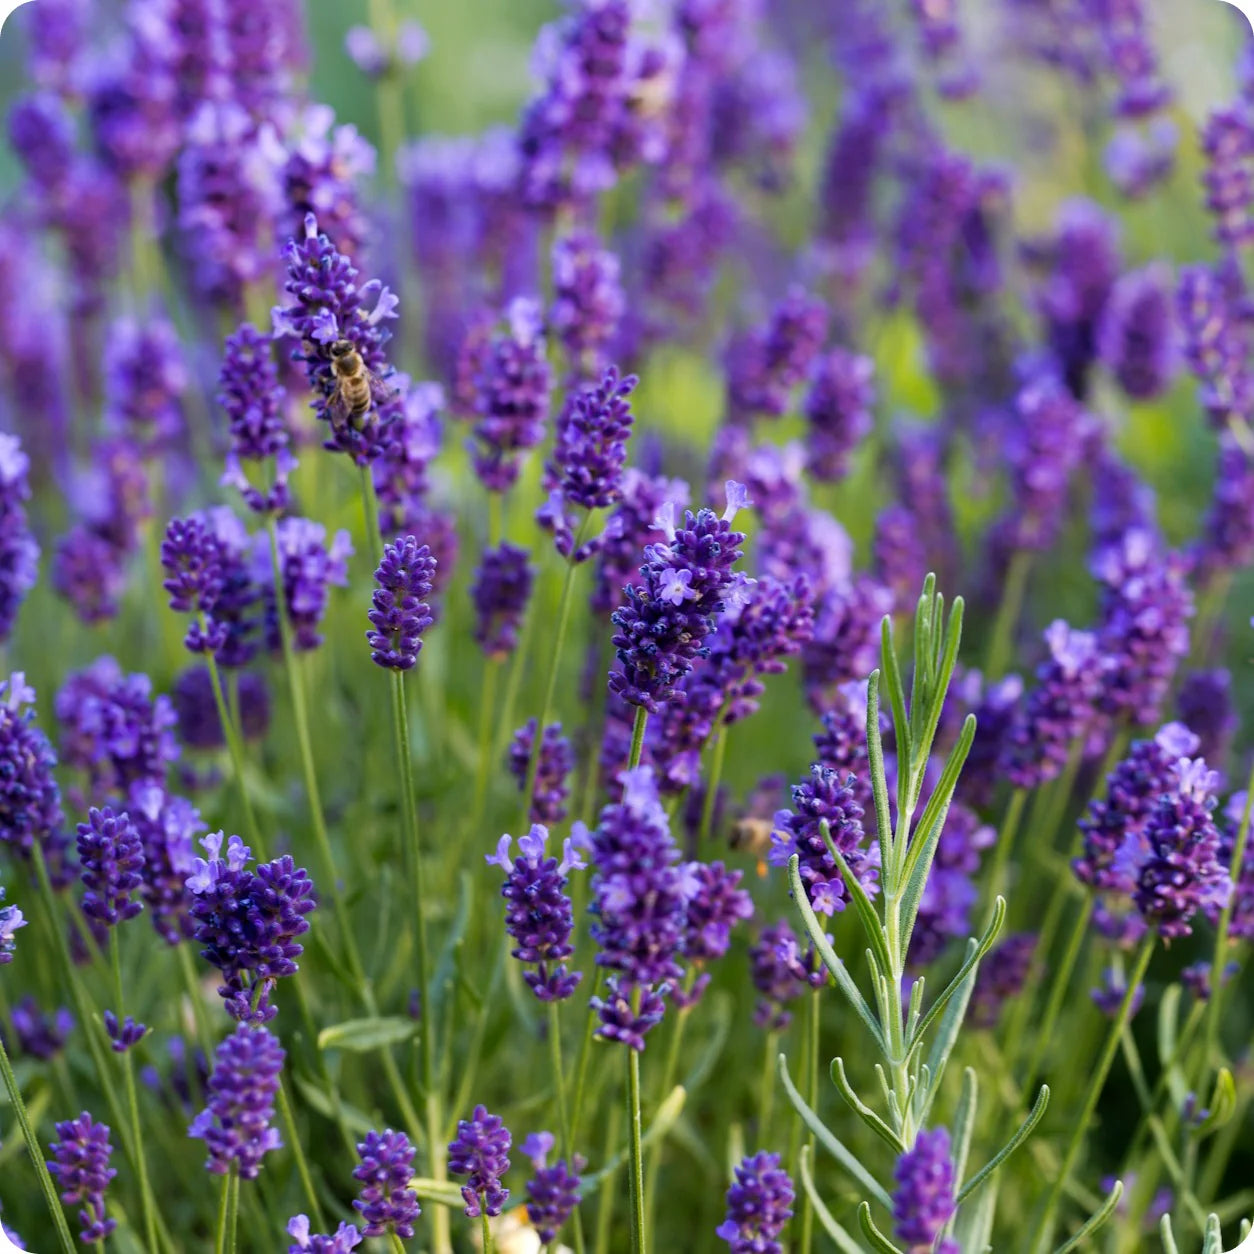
x: 759, y: 1205
x: 112, y: 858
x: 30, y: 801
x: 480, y: 1151
x: 553, y: 1192
x: 399, y: 611
x: 80, y: 1165
x: 554, y: 764
x: 10, y: 920
x: 387, y: 1203
x: 923, y: 1200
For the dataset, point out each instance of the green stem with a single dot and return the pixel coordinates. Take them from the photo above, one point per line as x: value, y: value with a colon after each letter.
x: 653, y: 1170
x: 637, y: 737
x: 1045, y: 1225
x: 132, y: 1102
x: 395, y: 1242
x: 812, y: 1096
x: 224, y: 1206
x: 585, y: 1050
x: 766, y: 1088
x: 608, y: 1194
x: 636, y: 1166
x: 1007, y: 614
x: 370, y: 516
x: 232, y: 1208
x: 441, y: 1236
x: 36, y: 1154
x: 717, y: 755
x: 236, y: 749
x: 488, y: 1244
x: 387, y: 92
x: 298, y: 1151
x: 563, y: 1110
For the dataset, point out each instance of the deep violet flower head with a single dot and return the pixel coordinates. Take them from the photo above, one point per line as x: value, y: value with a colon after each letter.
x: 629, y: 1013
x: 1204, y: 706
x: 1227, y: 540
x: 1228, y: 142
x: 1242, y: 924
x: 80, y: 1166
x: 552, y: 1192
x: 196, y: 563
x: 1132, y: 790
x: 248, y: 921
x: 399, y: 611
x: 715, y: 905
x: 167, y: 826
x: 327, y: 313
x: 30, y: 801
x: 628, y: 529
x: 538, y: 913
x: 40, y: 1035
x: 500, y: 593
x: 640, y: 893
x: 11, y: 919
x: 511, y: 396
x: 781, y: 971
x: 1136, y: 339
x: 556, y: 762
x: 199, y: 726
x: 1215, y: 345
x: 387, y: 1203
x: 1059, y: 710
x: 19, y: 553
x: 759, y: 1204
x: 589, y: 454
x: 1181, y: 872
x: 480, y: 1151
x: 113, y: 728
x: 309, y: 568
x: 235, y: 1124
x: 767, y: 364
x: 145, y: 380
x: 1145, y: 605
x: 687, y: 581
x: 825, y: 798
x: 588, y: 300
x: 123, y: 1035
x: 112, y: 858
x: 253, y: 400
x: 923, y: 1200
x: 838, y: 411
x: 343, y: 1240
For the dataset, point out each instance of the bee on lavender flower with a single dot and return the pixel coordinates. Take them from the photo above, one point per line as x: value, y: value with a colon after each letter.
x: 357, y: 388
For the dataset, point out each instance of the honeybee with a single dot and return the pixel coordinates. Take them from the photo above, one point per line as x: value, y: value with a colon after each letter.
x: 357, y: 388
x: 753, y: 836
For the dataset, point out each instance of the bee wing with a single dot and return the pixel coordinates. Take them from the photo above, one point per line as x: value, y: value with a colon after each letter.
x: 381, y: 390
x: 337, y: 408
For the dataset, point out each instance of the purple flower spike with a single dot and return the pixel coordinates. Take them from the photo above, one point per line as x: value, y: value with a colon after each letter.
x: 480, y: 1151
x: 557, y: 761
x: 248, y: 921
x: 687, y: 582
x: 253, y: 400
x: 387, y: 1203
x: 10, y: 920
x: 235, y: 1123
x: 1215, y: 345
x: 30, y: 801
x: 538, y: 914
x: 824, y: 797
x: 552, y: 1192
x: 309, y: 568
x: 399, y: 610
x: 1136, y: 340
x: 588, y: 300
x: 780, y: 973
x: 924, y: 1198
x: 19, y: 553
x: 80, y: 1165
x: 1108, y: 996
x: 716, y: 905
x: 759, y: 1205
x: 501, y: 589
x: 512, y: 400
x: 124, y: 1034
x: 112, y: 858
x: 1228, y: 142
x: 329, y: 316
x: 765, y: 366
x: 838, y: 412
x: 1182, y: 873
x: 40, y: 1035
x: 629, y: 1013
x: 345, y: 1238
x: 145, y: 383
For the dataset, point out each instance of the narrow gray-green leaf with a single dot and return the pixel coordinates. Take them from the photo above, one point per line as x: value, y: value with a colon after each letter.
x: 439, y: 1192
x: 964, y: 1123
x: 1169, y: 1237
x: 975, y: 1222
x: 1212, y: 1240
x: 1223, y: 1104
x: 950, y: 1027
x: 870, y: 921
x: 879, y: 1242
x: 944, y: 663
x: 843, y: 1241
x: 1169, y: 1023
x: 828, y: 1139
x: 897, y: 699
x: 1098, y: 1218
x: 828, y: 955
x: 362, y: 1036
x: 862, y: 1110
x: 879, y: 781
x: 1024, y: 1131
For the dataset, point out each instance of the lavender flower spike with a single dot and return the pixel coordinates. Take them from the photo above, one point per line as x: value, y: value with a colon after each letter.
x: 80, y: 1163
x: 387, y: 1203
x: 399, y: 610
x: 112, y: 857
x: 552, y: 1192
x: 30, y: 801
x: 480, y: 1151
x: 759, y: 1204
x: 924, y: 1198
x: 10, y: 920
x: 345, y: 1238
x: 557, y: 761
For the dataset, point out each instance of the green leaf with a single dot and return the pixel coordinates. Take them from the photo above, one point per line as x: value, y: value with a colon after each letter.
x: 944, y: 663
x: 897, y: 699
x: 443, y: 977
x: 828, y: 955
x: 1169, y: 1023
x: 1223, y: 1105
x: 974, y: 1225
x: 317, y: 1099
x: 964, y: 1123
x: 879, y: 781
x: 878, y: 1240
x: 862, y: 1110
x: 1169, y: 1237
x: 946, y: 1038
x: 973, y: 957
x: 1212, y: 1240
x: 1099, y: 1217
x: 1035, y: 1115
x: 827, y: 1138
x: 362, y: 1036
x: 861, y: 903
x: 843, y: 1241
x: 438, y: 1191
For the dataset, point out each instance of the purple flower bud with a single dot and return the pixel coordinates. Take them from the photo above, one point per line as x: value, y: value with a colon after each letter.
x: 628, y: 531
x: 765, y: 366
x: 80, y: 1165
x: 309, y: 567
x: 557, y: 761
x: 759, y: 1205
x: 1228, y: 142
x: 125, y: 1034
x: 112, y: 859
x: 923, y: 1200
x: 30, y: 801
x: 10, y: 920
x: 588, y: 300
x: 501, y: 589
x: 40, y: 1035
x: 387, y: 1203
x: 399, y: 611
x: 1108, y: 996
x: 552, y: 1192
x: 781, y: 973
x: 1136, y: 339
x: 480, y: 1151
x: 197, y: 711
x: 345, y: 1238
x: 628, y: 1013
x: 145, y: 382
x: 235, y: 1124
x: 1215, y: 341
